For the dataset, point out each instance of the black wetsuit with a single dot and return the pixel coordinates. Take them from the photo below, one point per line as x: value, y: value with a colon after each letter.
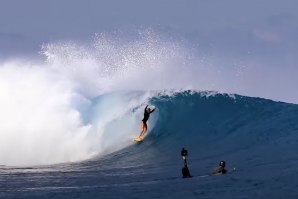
x: 146, y: 114
x: 185, y: 170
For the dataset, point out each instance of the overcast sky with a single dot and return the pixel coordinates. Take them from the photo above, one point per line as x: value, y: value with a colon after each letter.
x: 265, y: 32
x: 231, y: 24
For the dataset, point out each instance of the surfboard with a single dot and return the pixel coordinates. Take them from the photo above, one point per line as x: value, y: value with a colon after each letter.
x: 138, y: 139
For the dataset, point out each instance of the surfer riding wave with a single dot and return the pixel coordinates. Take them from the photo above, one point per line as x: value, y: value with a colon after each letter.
x: 144, y: 127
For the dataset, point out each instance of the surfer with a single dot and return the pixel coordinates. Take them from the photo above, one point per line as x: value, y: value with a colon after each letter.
x: 147, y: 112
x: 185, y: 170
x: 220, y: 169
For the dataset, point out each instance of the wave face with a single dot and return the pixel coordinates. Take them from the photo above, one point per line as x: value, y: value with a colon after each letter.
x: 257, y: 136
x: 214, y: 117
x: 210, y: 123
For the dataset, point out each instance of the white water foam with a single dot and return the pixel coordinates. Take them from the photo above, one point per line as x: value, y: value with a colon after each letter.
x: 42, y: 118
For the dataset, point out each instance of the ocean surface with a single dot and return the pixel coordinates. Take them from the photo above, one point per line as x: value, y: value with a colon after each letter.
x: 258, y: 139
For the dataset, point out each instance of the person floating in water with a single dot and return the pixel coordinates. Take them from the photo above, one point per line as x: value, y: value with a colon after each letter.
x: 144, y: 127
x: 220, y: 169
x: 185, y: 170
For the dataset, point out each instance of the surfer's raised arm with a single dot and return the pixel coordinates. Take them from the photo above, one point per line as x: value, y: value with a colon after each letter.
x: 146, y: 108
